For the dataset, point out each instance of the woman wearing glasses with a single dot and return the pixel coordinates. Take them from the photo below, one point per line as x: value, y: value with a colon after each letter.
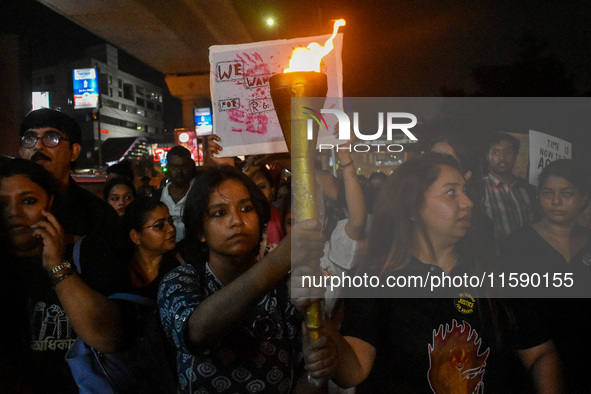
x: 152, y: 232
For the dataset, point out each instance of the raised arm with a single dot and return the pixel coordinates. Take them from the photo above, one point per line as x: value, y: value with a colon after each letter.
x: 353, y: 196
x: 217, y: 315
x: 213, y: 149
x: 94, y: 317
x: 328, y: 183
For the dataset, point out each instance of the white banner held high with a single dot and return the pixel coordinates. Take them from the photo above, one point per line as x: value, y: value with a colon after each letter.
x: 243, y: 112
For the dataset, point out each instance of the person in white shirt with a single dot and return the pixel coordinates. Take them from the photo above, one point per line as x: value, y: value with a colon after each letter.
x: 181, y: 173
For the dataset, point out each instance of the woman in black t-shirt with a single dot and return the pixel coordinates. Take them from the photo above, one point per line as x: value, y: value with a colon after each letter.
x: 60, y: 304
x: 556, y: 245
x: 428, y: 345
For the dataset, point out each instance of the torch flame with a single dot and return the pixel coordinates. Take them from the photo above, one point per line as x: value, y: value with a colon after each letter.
x: 308, y: 59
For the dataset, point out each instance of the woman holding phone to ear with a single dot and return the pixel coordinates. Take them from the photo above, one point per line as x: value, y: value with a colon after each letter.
x: 61, y: 303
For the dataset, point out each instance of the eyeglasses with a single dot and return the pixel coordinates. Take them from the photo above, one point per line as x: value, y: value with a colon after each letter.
x: 161, y: 224
x: 50, y: 140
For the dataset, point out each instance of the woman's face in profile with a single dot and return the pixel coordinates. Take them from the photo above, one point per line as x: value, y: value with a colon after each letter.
x: 560, y: 200
x: 447, y: 210
x: 22, y: 202
x: 158, y: 233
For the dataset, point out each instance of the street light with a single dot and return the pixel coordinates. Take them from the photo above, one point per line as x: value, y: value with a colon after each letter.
x: 272, y: 25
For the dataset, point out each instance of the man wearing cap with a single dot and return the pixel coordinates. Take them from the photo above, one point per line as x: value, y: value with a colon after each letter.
x: 98, y: 262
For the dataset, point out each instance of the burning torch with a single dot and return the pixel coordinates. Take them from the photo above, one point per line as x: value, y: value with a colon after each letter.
x: 304, y: 81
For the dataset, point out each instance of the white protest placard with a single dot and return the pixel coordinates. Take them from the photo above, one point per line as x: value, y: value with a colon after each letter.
x: 243, y: 112
x: 544, y: 149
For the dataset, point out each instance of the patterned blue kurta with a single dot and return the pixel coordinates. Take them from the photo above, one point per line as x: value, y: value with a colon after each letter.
x: 262, y: 355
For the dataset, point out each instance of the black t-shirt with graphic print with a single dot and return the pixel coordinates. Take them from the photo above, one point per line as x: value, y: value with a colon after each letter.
x: 48, y: 331
x: 427, y: 345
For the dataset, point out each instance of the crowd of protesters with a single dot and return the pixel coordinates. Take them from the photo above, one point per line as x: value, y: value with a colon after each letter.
x: 212, y: 252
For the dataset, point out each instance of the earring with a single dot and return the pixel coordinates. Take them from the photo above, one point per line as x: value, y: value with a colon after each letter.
x: 138, y: 244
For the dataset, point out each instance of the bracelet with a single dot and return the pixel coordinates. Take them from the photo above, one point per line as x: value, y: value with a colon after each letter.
x: 60, y: 272
x: 65, y: 265
x: 346, y: 165
x: 61, y: 275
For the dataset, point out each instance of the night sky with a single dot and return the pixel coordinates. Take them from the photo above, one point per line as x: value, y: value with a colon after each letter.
x: 391, y: 48
x: 413, y: 48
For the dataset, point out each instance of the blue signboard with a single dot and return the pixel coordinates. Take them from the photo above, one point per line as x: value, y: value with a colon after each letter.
x: 86, y: 88
x: 203, y: 125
